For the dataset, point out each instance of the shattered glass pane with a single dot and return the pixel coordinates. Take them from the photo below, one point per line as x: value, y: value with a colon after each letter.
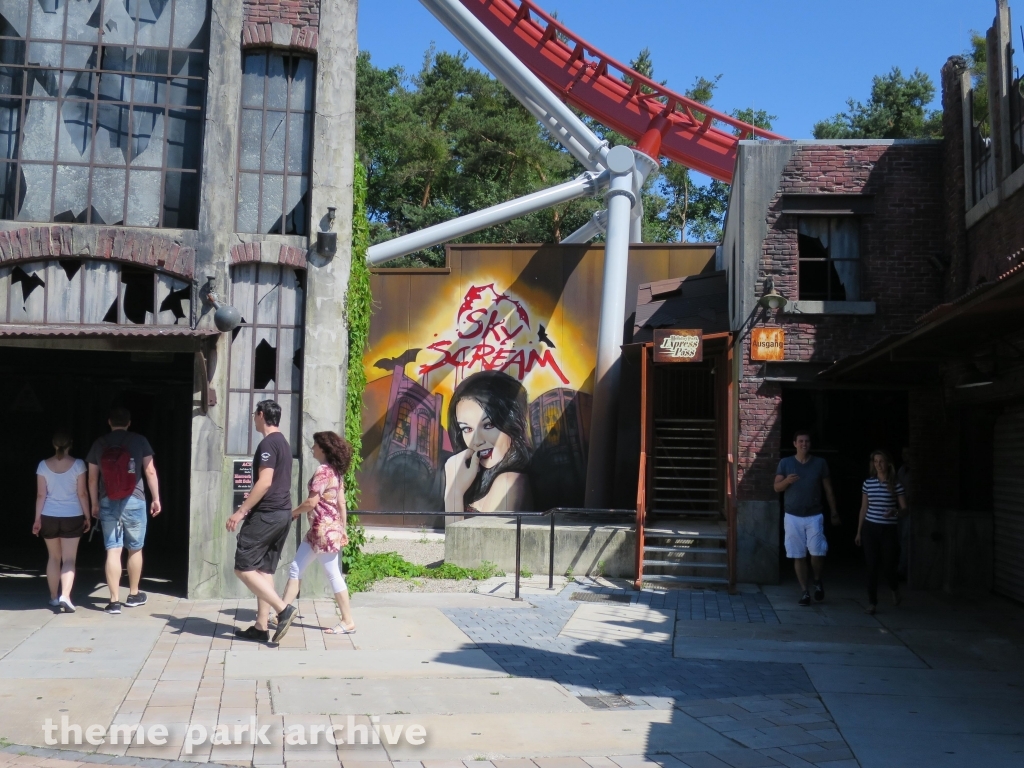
x: 44, y: 54
x: 273, y: 142
x: 302, y: 85
x: 83, y: 21
x: 108, y: 185
x: 71, y: 193
x: 118, y: 26
x: 40, y: 130
x: 111, y: 134
x: 147, y: 137
x: 190, y: 23
x: 78, y: 57
x: 184, y: 133
x: 252, y: 131
x: 12, y: 52
x: 144, y: 199
x: 248, y: 202
x: 295, y: 206
x: 277, y: 83
x: 151, y: 61
x: 48, y: 25
x: 253, y: 74
x: 299, y: 142
x: 273, y: 199
x: 37, y: 193
x: 15, y: 14
x: 10, y: 119
x: 117, y: 58
x: 154, y: 22
x: 75, y: 128
x: 8, y: 190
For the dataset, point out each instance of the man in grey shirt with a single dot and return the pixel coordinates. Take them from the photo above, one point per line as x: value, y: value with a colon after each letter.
x: 801, y: 479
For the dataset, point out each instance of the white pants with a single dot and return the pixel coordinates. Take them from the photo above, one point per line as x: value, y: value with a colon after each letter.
x: 329, y: 560
x: 805, y: 534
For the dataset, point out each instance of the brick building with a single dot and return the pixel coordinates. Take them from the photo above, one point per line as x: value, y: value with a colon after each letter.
x: 148, y: 155
x: 904, y: 328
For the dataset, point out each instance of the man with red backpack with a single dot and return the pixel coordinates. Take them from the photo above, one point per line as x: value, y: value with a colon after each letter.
x: 117, y: 463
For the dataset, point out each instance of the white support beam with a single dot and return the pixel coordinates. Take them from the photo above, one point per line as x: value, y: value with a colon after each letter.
x: 520, y: 81
x: 582, y: 186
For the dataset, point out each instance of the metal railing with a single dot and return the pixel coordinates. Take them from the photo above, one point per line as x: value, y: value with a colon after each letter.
x: 519, y: 529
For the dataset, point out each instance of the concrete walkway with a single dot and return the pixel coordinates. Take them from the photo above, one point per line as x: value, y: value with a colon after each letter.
x: 591, y: 674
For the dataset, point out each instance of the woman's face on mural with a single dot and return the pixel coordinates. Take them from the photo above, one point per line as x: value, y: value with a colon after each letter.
x: 480, y: 435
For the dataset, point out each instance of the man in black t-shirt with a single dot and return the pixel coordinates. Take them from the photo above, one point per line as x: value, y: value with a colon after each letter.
x: 265, y: 517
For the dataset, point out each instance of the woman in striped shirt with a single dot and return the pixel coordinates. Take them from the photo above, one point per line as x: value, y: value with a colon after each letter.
x: 882, y: 498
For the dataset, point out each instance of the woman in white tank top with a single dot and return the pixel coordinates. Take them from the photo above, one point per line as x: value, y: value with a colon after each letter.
x: 62, y: 516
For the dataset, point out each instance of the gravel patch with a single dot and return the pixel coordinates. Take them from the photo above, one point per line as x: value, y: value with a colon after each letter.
x: 420, y: 553
x: 395, y: 584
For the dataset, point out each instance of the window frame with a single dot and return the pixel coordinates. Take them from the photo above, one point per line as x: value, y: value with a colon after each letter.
x: 291, y: 57
x: 277, y: 392
x: 128, y: 109
x: 829, y: 260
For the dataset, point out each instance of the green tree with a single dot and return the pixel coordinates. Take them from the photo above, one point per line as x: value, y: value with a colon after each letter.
x: 977, y: 63
x: 896, y: 109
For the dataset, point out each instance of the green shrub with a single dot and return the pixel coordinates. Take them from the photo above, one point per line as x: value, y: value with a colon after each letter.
x: 367, y: 569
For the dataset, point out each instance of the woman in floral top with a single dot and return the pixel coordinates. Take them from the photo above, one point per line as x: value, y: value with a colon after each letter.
x: 325, y: 509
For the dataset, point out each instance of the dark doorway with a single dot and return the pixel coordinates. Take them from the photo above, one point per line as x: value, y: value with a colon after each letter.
x: 846, y: 426
x: 48, y: 388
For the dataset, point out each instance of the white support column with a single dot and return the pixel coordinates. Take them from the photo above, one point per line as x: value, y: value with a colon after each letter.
x: 620, y: 200
x: 583, y: 185
x: 597, y: 225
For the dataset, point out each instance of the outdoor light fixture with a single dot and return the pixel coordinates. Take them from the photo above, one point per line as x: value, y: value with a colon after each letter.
x: 226, y: 318
x: 770, y: 299
x: 327, y: 242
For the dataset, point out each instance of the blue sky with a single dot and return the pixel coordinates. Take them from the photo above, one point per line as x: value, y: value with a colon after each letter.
x: 797, y: 59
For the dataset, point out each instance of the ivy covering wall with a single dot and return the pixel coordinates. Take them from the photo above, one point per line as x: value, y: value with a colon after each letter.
x: 358, y: 305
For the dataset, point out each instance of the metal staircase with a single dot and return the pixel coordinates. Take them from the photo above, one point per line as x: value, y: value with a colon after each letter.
x: 685, y: 535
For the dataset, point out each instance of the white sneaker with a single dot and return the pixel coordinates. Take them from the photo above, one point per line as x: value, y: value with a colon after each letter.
x: 65, y: 605
x: 54, y: 602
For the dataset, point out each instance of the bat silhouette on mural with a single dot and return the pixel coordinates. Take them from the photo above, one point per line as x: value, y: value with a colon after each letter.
x: 542, y: 335
x: 390, y: 363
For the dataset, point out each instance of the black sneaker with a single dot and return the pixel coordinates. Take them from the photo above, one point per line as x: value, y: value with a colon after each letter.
x: 805, y: 598
x: 819, y: 591
x: 284, y: 621
x: 139, y: 598
x: 260, y: 635
x: 113, y: 608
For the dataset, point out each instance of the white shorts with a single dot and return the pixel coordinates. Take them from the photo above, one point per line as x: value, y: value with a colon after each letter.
x: 805, y: 535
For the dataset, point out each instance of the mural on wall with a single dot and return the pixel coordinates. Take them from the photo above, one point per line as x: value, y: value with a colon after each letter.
x: 480, y: 403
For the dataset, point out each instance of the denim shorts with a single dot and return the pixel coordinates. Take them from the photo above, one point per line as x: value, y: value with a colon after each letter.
x: 124, y: 522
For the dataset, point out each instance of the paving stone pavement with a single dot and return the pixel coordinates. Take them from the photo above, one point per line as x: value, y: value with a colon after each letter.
x: 525, y: 641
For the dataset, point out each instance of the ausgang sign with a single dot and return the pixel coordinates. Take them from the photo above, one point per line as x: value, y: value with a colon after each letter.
x: 768, y: 344
x: 678, y: 346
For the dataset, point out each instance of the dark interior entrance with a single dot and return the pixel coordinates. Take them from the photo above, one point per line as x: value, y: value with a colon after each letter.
x: 47, y: 388
x: 846, y: 426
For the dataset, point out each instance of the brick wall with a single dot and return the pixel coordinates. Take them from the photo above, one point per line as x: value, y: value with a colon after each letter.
x: 147, y: 249
x: 902, y: 252
x: 288, y: 254
x: 301, y: 16
x: 996, y: 243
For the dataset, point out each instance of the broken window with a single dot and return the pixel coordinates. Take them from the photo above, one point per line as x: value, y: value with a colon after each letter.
x: 275, y: 144
x: 91, y: 291
x: 265, y: 358
x: 829, y: 258
x: 101, y: 110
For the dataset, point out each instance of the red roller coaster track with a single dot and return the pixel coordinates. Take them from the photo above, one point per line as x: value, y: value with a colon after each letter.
x: 612, y: 93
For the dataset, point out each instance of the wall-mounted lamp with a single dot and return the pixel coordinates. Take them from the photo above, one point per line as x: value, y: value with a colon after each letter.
x: 770, y: 299
x: 226, y: 318
x: 327, y: 242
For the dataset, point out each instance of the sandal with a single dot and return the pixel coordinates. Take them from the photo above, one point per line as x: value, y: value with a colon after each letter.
x: 340, y: 629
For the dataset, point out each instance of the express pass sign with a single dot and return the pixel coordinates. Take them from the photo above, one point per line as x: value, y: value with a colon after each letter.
x: 678, y: 346
x: 768, y: 344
